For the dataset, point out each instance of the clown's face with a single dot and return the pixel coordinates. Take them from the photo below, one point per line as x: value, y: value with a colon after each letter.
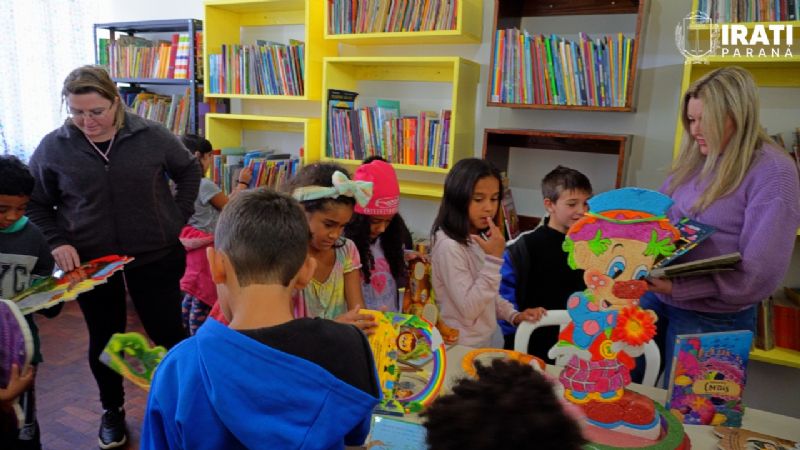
x: 614, y: 276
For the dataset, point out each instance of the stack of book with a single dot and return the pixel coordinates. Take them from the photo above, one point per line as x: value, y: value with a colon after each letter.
x: 266, y: 68
x: 551, y: 70
x: 137, y: 57
x: 377, y: 16
x: 381, y: 130
x: 268, y: 168
x: 749, y: 11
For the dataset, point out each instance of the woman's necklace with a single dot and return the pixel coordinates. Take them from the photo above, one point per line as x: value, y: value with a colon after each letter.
x: 103, y: 154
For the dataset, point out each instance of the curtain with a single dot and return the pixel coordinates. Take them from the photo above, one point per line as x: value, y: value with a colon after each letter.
x: 43, y: 41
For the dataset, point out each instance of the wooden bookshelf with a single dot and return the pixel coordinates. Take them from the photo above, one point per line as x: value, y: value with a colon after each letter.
x: 497, y: 144
x: 469, y: 29
x: 460, y: 74
x: 510, y: 13
x: 227, y: 130
x: 225, y: 19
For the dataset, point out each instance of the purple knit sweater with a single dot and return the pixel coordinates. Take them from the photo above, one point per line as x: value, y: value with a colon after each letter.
x: 759, y: 220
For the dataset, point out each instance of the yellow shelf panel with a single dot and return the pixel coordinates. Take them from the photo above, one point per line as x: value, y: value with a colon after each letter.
x: 346, y: 73
x: 421, y: 190
x: 224, y: 20
x: 780, y: 356
x: 226, y: 130
x: 411, y: 167
x: 469, y: 29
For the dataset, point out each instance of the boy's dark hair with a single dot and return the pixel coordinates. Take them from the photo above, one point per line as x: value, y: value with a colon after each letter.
x: 369, y: 159
x: 563, y: 179
x: 510, y: 405
x: 319, y: 174
x: 265, y: 235
x: 197, y: 143
x: 15, y: 178
x: 453, y: 216
x: 394, y: 240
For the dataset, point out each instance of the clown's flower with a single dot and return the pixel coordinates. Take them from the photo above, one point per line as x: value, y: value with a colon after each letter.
x: 634, y: 326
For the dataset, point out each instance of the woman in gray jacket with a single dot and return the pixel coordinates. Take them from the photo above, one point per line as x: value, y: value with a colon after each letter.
x: 102, y: 188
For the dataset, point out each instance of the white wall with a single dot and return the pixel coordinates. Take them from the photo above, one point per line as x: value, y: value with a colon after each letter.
x: 652, y: 126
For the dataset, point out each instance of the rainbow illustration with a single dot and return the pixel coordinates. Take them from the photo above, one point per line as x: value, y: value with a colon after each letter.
x: 427, y: 395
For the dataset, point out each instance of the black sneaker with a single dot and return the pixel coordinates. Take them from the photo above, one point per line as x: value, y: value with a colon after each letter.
x: 112, y: 429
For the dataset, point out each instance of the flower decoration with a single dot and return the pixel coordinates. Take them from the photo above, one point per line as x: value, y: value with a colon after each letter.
x: 634, y: 326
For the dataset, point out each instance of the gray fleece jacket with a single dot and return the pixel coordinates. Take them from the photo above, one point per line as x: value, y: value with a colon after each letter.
x: 125, y: 207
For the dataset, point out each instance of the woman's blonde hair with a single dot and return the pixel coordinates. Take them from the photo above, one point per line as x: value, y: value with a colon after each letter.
x: 87, y: 79
x: 727, y: 92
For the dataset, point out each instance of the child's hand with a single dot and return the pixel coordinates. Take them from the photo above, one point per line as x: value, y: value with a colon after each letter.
x: 245, y: 175
x: 364, y: 322
x: 532, y: 315
x: 17, y: 384
x: 411, y: 256
x: 495, y: 243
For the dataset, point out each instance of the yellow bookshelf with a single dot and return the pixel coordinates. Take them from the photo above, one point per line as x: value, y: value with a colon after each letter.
x: 227, y: 130
x: 346, y: 73
x: 469, y: 28
x: 780, y: 356
x: 224, y: 20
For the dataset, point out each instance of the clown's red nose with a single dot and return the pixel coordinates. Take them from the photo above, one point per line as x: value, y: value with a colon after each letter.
x: 629, y: 289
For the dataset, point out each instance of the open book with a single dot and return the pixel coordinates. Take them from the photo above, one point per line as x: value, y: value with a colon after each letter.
x: 699, y: 267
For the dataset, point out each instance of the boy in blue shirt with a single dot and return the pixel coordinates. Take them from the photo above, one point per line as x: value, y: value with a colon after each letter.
x: 24, y: 258
x: 269, y: 381
x: 535, y: 272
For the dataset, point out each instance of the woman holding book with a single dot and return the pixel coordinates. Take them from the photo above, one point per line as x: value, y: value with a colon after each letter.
x: 102, y: 188
x: 729, y: 175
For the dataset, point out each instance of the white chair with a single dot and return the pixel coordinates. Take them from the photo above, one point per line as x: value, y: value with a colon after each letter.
x: 560, y: 318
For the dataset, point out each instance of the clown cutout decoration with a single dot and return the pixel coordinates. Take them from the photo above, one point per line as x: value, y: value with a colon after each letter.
x: 616, y: 243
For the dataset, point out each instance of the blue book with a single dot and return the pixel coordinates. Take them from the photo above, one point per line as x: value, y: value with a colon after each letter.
x: 393, y: 434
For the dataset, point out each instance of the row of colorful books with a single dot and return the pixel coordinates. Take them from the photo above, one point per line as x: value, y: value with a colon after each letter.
x: 137, y: 57
x: 267, y: 68
x: 724, y: 11
x: 381, y: 130
x: 172, y: 111
x: 552, y: 70
x: 376, y: 16
x: 267, y: 168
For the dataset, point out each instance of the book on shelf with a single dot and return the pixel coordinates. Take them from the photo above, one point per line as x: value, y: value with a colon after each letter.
x: 765, y: 326
x: 721, y: 263
x: 509, y: 211
x: 786, y: 317
x: 708, y: 376
x: 553, y: 70
x: 357, y: 133
x: 268, y: 168
x: 749, y: 10
x: 266, y: 68
x: 137, y: 57
x: 386, y: 16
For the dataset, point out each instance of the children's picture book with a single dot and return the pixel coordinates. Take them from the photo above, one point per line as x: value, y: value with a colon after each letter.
x: 130, y: 355
x: 388, y: 433
x: 742, y: 439
x: 714, y: 264
x: 410, y: 360
x: 709, y: 373
x: 419, y: 299
x: 692, y: 234
x: 63, y: 287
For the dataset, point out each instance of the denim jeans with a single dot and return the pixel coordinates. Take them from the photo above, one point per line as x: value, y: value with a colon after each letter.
x: 673, y: 321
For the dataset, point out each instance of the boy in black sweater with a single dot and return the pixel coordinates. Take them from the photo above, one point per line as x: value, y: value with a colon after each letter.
x: 535, y: 272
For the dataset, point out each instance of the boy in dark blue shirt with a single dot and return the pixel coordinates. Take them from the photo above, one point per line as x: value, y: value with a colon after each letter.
x: 535, y: 272
x: 24, y: 258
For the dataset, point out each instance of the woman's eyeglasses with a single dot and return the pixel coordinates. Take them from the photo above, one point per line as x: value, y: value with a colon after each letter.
x: 91, y: 114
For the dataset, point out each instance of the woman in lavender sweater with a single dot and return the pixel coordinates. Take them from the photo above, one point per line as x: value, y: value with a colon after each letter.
x: 730, y: 175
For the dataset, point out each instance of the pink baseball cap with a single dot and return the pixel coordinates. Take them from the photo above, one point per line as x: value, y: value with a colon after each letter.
x: 385, y: 189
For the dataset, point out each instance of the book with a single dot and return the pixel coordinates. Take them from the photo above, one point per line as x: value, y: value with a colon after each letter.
x: 714, y: 264
x: 786, y: 316
x: 509, y: 211
x: 692, y: 234
x: 387, y: 433
x: 709, y: 373
x: 743, y: 439
x: 765, y: 326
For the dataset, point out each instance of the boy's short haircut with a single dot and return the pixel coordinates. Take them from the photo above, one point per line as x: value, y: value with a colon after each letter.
x: 265, y: 235
x: 563, y: 179
x: 15, y: 178
x: 510, y: 405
